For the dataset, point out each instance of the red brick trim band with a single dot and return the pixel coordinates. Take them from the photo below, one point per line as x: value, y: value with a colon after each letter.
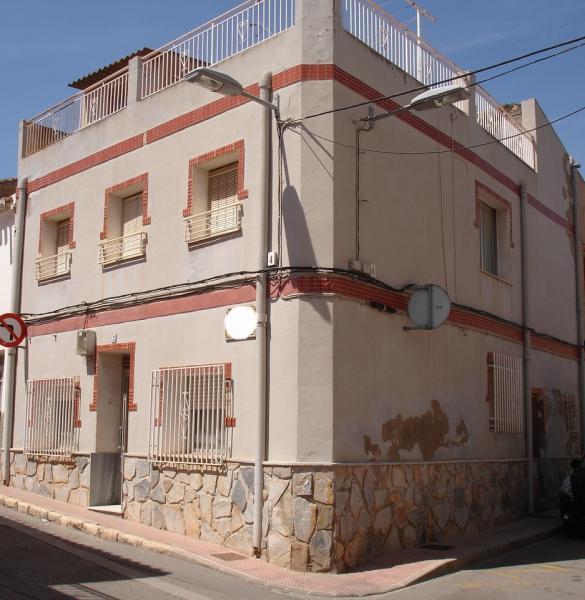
x: 86, y: 163
x: 547, y: 212
x: 198, y: 115
x: 234, y: 147
x: 120, y: 187
x: 296, y: 285
x: 293, y: 75
x: 125, y: 348
x: 66, y: 209
x: 498, y: 201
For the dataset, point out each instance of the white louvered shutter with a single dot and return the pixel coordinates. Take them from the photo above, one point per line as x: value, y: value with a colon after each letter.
x: 131, y: 225
x: 62, y: 246
x: 223, y: 193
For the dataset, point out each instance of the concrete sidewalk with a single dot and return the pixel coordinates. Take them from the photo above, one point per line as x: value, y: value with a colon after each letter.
x: 385, y: 574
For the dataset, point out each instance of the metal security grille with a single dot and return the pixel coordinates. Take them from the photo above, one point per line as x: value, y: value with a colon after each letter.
x: 505, y: 393
x: 190, y: 411
x: 51, y: 414
x: 571, y: 412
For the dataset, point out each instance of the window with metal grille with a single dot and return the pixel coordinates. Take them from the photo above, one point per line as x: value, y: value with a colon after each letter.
x: 190, y: 414
x: 52, y: 407
x: 489, y: 239
x: 504, y: 393
x: 571, y: 412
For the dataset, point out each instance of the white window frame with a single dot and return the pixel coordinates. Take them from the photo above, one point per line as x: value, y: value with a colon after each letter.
x: 493, y: 242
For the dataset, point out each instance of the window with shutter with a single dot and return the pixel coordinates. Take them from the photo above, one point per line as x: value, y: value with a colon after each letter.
x: 489, y: 239
x: 222, y: 198
x: 131, y: 225
x: 62, y: 247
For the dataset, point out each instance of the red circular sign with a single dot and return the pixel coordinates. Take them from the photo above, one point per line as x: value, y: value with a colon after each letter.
x: 12, y: 330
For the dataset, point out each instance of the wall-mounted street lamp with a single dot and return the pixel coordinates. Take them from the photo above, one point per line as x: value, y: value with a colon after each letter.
x: 220, y: 83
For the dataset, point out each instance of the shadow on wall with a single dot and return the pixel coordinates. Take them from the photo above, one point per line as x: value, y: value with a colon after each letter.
x: 301, y: 252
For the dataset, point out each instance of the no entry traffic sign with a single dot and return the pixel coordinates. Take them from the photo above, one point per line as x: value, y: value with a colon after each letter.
x: 12, y: 330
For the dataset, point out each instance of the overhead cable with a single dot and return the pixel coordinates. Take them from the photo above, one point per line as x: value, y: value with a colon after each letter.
x: 458, y: 77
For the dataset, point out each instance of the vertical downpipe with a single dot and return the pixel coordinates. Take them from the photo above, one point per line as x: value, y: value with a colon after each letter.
x: 15, y: 298
x: 578, y: 240
x: 527, y: 351
x: 263, y: 323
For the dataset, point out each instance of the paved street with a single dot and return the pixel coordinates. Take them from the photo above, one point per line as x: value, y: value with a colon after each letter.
x: 43, y: 561
x: 553, y: 569
x: 40, y: 560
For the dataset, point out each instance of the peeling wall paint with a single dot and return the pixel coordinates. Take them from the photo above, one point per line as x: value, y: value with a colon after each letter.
x: 429, y: 431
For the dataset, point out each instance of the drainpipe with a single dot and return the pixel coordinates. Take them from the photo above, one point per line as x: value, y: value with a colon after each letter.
x: 527, y: 351
x: 579, y: 295
x: 10, y: 364
x: 263, y: 318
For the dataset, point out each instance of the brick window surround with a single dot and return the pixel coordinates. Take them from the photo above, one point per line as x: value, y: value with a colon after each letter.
x: 486, y: 195
x: 124, y: 348
x: 67, y: 211
x: 124, y: 189
x: 235, y: 148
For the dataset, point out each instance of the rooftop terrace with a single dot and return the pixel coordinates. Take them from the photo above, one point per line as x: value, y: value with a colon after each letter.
x: 250, y: 24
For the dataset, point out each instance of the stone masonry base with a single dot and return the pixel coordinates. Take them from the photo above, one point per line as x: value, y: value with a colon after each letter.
x: 66, y: 481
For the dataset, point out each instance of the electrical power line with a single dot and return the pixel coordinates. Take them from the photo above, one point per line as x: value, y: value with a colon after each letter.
x: 458, y: 77
x: 454, y: 149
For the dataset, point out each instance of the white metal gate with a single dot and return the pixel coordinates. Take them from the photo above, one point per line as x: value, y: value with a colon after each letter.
x: 190, y: 413
x: 51, y: 413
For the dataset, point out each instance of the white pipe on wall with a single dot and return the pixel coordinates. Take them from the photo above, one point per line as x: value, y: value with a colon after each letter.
x: 15, y: 298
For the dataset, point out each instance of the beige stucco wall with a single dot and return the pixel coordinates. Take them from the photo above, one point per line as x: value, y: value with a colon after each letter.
x: 417, y: 226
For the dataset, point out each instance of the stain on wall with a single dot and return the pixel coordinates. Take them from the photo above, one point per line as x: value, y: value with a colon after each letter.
x: 429, y: 431
x: 372, y: 450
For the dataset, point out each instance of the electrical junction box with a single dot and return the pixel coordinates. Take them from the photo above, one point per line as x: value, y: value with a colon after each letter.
x: 86, y: 342
x: 272, y: 259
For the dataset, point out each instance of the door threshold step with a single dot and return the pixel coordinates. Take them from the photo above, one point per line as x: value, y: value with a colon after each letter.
x: 112, y: 509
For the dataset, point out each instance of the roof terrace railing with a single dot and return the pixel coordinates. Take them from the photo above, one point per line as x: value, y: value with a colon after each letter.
x: 85, y: 108
x: 373, y: 26
x: 245, y: 26
x: 235, y: 31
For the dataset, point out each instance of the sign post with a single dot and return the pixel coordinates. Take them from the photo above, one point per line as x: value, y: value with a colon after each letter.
x: 12, y: 330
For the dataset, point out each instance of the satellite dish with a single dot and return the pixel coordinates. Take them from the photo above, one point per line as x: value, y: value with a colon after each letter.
x: 429, y: 306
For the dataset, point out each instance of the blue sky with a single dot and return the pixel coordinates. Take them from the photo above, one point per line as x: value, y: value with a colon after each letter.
x: 44, y: 45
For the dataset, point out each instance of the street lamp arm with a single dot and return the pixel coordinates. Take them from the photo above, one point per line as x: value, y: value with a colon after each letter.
x: 265, y: 103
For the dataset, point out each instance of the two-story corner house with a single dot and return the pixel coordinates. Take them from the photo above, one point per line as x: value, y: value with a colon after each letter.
x: 144, y: 226
x: 7, y: 203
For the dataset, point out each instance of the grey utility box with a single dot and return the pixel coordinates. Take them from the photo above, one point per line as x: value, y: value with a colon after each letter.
x: 86, y: 342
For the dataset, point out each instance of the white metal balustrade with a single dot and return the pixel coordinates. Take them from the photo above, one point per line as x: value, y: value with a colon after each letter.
x: 373, y: 26
x: 122, y: 248
x: 51, y: 413
x: 504, y: 128
x: 235, y: 31
x: 53, y: 266
x: 190, y: 413
x: 85, y: 108
x: 212, y: 223
x: 505, y: 393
